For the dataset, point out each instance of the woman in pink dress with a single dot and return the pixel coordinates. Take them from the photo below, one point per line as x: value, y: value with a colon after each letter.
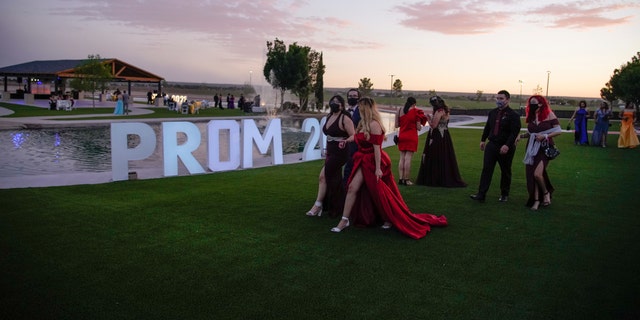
x: 372, y: 194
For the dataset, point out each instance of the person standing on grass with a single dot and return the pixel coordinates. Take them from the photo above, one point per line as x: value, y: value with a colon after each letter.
x: 216, y: 100
x: 580, y: 115
x: 599, y: 134
x: 337, y: 128
x: 410, y: 120
x: 372, y: 193
x: 439, y: 166
x: 628, y: 137
x: 353, y: 95
x: 501, y: 129
x: 542, y: 126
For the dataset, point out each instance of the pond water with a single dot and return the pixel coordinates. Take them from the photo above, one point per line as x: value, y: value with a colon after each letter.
x: 88, y: 149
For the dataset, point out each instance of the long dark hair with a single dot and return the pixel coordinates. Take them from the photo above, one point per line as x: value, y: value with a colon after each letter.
x: 342, y: 105
x: 437, y: 103
x: 410, y: 101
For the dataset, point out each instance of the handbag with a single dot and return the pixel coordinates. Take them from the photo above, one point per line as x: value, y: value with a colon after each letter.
x: 550, y: 150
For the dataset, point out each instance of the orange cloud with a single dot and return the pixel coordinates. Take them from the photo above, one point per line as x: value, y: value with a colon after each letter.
x: 475, y: 16
x: 584, y: 14
x: 447, y: 17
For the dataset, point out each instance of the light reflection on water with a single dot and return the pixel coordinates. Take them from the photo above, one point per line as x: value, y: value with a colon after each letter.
x: 88, y: 149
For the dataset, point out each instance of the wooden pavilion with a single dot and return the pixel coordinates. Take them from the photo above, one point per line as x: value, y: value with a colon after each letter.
x: 31, y: 76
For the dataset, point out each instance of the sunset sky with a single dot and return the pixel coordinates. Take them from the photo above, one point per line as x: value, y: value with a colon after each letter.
x: 460, y: 46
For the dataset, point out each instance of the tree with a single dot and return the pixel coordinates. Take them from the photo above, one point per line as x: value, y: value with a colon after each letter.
x: 92, y: 75
x: 294, y: 68
x: 397, y: 88
x: 625, y: 82
x: 606, y: 93
x: 365, y: 86
x: 318, y: 87
x: 479, y: 95
x: 537, y: 90
x: 274, y: 70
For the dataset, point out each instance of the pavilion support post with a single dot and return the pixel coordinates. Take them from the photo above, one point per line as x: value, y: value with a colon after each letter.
x: 6, y: 96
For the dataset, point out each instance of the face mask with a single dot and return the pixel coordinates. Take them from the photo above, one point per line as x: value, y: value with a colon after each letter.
x: 501, y: 103
x: 352, y: 101
x: 335, y: 107
x: 533, y: 107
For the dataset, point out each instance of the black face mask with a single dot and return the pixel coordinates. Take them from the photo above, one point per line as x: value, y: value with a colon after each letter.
x: 352, y: 101
x: 335, y: 107
x: 533, y: 107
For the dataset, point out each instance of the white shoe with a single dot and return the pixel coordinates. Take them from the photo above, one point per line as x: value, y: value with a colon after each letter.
x: 318, y: 212
x: 337, y: 229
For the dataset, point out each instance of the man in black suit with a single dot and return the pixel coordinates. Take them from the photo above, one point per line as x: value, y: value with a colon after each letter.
x: 501, y: 129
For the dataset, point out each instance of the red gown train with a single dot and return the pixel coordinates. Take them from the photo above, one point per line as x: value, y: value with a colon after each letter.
x: 380, y: 200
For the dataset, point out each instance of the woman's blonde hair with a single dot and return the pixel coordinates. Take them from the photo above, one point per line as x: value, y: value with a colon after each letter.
x: 368, y: 113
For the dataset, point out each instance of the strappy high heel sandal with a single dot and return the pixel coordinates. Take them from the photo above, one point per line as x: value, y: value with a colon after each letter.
x: 535, y: 205
x: 338, y: 229
x: 546, y: 203
x: 318, y: 212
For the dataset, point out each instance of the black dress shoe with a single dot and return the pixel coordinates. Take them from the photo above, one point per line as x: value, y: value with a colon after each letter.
x: 503, y: 198
x: 477, y: 197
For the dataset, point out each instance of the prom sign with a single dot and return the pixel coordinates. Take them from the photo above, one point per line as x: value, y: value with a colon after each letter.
x: 242, y: 136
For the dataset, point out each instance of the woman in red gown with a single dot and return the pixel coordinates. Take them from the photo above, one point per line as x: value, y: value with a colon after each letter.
x: 410, y: 120
x: 372, y: 193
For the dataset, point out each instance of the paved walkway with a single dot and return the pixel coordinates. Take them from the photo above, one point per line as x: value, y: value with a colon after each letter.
x: 56, y: 117
x: 28, y: 181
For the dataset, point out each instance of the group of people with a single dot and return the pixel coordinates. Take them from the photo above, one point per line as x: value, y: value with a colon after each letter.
x: 54, y: 98
x: 498, y: 142
x: 370, y: 196
x: 231, y: 101
x: 627, y: 138
x: 122, y: 103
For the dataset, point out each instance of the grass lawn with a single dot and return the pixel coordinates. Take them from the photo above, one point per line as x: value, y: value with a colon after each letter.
x: 237, y: 245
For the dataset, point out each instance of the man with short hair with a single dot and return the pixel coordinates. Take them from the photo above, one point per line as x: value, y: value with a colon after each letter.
x: 353, y: 95
x: 125, y: 102
x: 501, y: 129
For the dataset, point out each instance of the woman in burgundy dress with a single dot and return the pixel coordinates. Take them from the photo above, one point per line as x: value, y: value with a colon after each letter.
x: 439, y: 166
x: 337, y: 128
x: 542, y: 126
x: 372, y: 193
x: 410, y: 120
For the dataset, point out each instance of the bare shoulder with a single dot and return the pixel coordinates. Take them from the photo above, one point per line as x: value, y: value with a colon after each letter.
x: 376, y: 128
